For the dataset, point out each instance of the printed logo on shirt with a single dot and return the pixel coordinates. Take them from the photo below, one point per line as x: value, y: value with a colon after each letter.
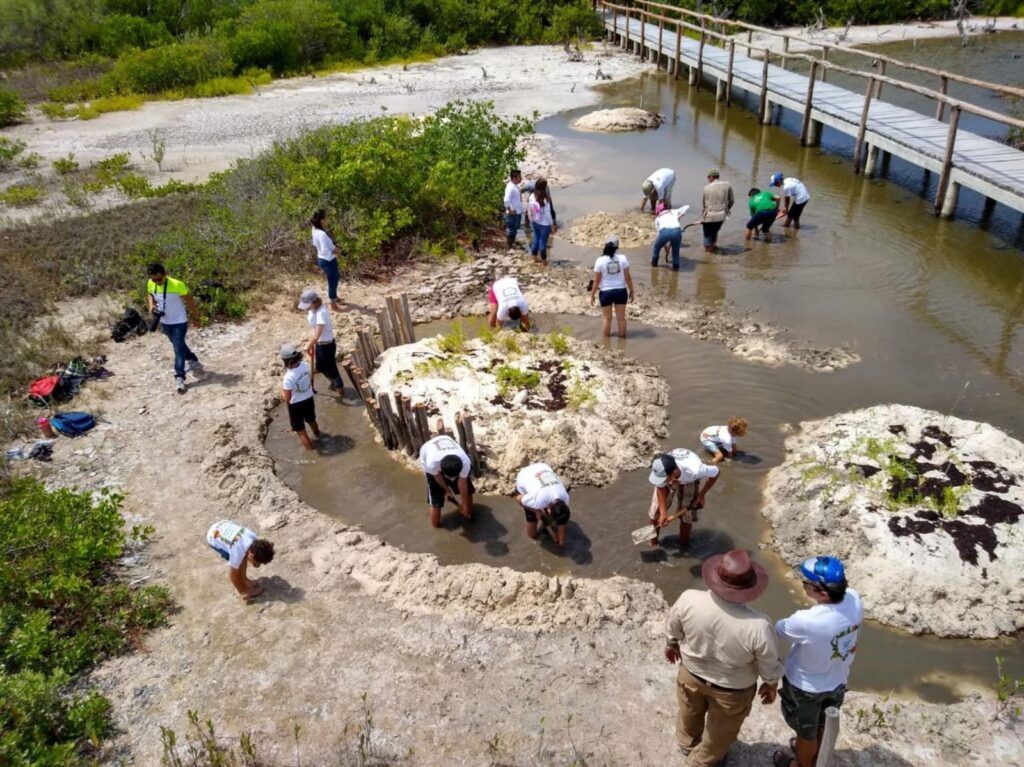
x: 844, y: 644
x: 613, y: 266
x: 302, y: 382
x: 229, y: 533
x: 445, y: 443
x: 547, y: 478
x: 509, y: 292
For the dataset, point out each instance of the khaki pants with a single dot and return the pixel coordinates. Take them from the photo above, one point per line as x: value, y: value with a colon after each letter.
x: 709, y: 720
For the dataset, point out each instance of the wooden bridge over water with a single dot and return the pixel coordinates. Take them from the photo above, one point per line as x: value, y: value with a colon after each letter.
x: 682, y: 40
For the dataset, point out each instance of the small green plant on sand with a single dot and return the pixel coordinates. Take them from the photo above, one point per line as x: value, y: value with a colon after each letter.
x: 201, y: 748
x: 581, y: 394
x: 508, y: 343
x: 1009, y: 692
x: 512, y: 379
x: 159, y: 144
x: 10, y: 149
x: 66, y: 165
x: 559, y: 341
x: 439, y: 367
x: 454, y: 341
x: 22, y: 195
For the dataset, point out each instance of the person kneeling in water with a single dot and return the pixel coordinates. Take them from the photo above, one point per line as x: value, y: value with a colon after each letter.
x: 239, y: 547
x: 506, y: 303
x: 545, y: 501
x: 446, y: 467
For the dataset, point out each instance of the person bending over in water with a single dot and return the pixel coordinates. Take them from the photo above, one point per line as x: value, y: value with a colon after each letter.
x: 240, y: 547
x: 679, y: 473
x: 613, y: 285
x: 446, y: 466
x: 764, y: 209
x: 506, y: 303
x: 794, y: 199
x: 545, y: 501
x: 719, y: 440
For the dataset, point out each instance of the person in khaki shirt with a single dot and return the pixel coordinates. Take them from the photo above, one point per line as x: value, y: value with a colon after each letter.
x: 722, y: 647
x: 716, y: 203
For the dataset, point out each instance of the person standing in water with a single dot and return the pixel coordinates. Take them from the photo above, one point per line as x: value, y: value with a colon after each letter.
x: 764, y: 209
x: 322, y: 348
x: 670, y: 233
x: 544, y: 222
x: 447, y: 468
x: 545, y: 501
x: 513, y: 207
x: 680, y: 473
x: 794, y: 199
x: 297, y: 392
x: 613, y: 285
x: 326, y: 256
x: 716, y: 203
x: 658, y: 186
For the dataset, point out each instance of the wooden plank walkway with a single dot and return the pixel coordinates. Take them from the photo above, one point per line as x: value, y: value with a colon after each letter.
x: 989, y: 167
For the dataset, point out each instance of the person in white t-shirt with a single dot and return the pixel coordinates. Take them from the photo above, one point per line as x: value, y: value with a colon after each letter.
x: 824, y: 639
x: 171, y: 304
x: 720, y: 441
x: 545, y: 501
x: 545, y: 221
x: 506, y: 303
x: 679, y: 474
x: 658, y: 186
x: 240, y: 547
x: 447, y: 468
x: 513, y: 206
x: 297, y: 393
x: 613, y: 285
x: 322, y: 348
x: 670, y: 232
x: 794, y: 199
x: 326, y: 256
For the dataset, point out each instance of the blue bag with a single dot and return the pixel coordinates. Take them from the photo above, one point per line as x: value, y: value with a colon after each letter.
x: 72, y: 424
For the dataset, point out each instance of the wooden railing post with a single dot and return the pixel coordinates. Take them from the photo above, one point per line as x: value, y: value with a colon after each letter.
x: 643, y: 32
x: 750, y: 37
x: 881, y: 71
x: 862, y: 127
x: 615, y: 25
x: 763, y: 103
x: 941, y: 106
x: 679, y: 42
x: 947, y: 160
x: 728, y: 73
x: 700, y: 59
x: 805, y: 126
x: 785, y: 50
x: 661, y: 35
x: 824, y: 57
x: 629, y: 18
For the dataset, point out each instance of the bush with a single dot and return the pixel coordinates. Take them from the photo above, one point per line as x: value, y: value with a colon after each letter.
x: 61, y: 612
x: 66, y: 165
x: 22, y: 195
x: 284, y: 35
x: 512, y: 379
x: 10, y: 150
x: 120, y: 32
x: 180, y: 65
x: 12, y: 108
x: 573, y: 21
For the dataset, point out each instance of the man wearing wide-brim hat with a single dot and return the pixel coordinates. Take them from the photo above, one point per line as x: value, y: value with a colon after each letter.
x: 722, y: 647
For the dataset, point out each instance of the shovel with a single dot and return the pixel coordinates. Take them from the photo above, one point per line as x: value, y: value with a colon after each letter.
x: 650, y: 532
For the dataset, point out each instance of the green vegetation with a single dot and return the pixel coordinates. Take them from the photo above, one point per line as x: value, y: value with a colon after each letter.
x: 62, y: 610
x: 455, y: 340
x: 1009, y: 692
x: 559, y: 341
x: 581, y: 393
x: 12, y: 107
x: 22, y: 195
x: 512, y: 379
x: 439, y: 367
x: 10, y: 150
x: 839, y: 12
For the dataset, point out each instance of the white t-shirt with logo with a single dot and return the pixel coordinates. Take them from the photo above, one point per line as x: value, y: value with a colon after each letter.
x: 507, y: 291
x: 298, y: 381
x: 719, y: 434
x: 324, y: 245
x: 231, y: 539
x: 321, y: 316
x: 613, y: 271
x: 794, y: 187
x: 434, y: 450
x: 691, y: 467
x: 513, y: 197
x: 663, y: 179
x: 540, y: 486
x: 824, y: 641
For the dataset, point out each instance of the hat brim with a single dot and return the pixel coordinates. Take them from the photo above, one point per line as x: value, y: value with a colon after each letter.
x: 709, y: 571
x: 305, y: 304
x: 658, y: 481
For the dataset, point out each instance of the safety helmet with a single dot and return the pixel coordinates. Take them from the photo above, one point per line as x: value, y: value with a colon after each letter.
x: 823, y: 571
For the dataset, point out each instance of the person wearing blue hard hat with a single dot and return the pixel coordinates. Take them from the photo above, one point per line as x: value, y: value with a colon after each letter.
x: 794, y: 198
x: 824, y: 642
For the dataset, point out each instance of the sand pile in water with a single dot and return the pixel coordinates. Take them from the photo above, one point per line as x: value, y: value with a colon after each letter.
x: 635, y: 229
x: 618, y: 120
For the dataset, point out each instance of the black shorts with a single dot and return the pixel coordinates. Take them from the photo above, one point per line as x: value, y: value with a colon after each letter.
x: 794, y: 213
x: 533, y: 516
x: 301, y: 413
x: 764, y: 219
x: 436, y: 494
x: 804, y: 712
x: 617, y: 297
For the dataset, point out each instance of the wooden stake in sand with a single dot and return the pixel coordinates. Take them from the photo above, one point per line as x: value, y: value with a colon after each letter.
x: 421, y: 420
x: 414, y: 429
x: 395, y: 320
x: 400, y: 438
x: 474, y: 454
x: 410, y: 446
x: 407, y: 317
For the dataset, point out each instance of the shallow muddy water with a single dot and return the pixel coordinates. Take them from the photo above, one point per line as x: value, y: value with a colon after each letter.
x: 933, y: 307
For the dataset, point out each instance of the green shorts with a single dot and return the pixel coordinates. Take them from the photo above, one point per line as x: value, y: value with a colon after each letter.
x: 804, y: 712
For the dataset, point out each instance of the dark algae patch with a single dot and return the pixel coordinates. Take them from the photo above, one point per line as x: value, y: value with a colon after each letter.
x: 968, y: 536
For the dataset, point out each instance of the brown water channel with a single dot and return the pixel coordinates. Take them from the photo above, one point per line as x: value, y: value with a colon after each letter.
x: 933, y: 307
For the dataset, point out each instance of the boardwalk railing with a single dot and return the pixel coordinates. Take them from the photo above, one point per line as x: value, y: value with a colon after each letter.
x: 633, y: 23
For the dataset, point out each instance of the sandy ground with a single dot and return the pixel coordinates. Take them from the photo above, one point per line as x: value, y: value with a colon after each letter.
x: 461, y: 665
x: 618, y: 120
x: 921, y: 566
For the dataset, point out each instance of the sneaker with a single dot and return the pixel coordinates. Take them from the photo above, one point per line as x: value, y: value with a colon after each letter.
x: 194, y: 367
x: 179, y: 384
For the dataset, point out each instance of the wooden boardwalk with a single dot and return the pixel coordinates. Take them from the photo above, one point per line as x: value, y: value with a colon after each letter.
x: 984, y: 165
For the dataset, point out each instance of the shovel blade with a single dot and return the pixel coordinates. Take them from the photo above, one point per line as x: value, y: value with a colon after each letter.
x: 644, y: 534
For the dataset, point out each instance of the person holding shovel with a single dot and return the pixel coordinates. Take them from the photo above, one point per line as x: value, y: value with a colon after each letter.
x: 447, y: 468
x: 545, y: 502
x: 678, y: 475
x: 322, y: 348
x: 297, y: 392
x: 670, y: 232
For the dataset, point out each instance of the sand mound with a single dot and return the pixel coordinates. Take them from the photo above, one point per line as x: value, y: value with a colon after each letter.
x: 618, y: 120
x: 925, y: 509
x: 635, y: 229
x: 588, y: 413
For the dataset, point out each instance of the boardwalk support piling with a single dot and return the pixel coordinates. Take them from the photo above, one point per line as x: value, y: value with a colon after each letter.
x: 941, y: 205
x: 679, y: 56
x: 805, y: 126
x: 764, y: 108
x: 858, y: 147
x: 728, y: 73
x: 872, y: 161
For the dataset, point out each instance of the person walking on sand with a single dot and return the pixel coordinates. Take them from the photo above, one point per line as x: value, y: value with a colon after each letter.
x: 720, y: 442
x: 446, y: 467
x: 297, y: 393
x: 679, y: 473
x: 613, y: 285
x: 764, y: 209
x: 326, y: 256
x: 824, y: 639
x: 716, y: 203
x: 171, y: 304
x: 658, y: 186
x: 513, y: 207
x: 544, y: 221
x: 240, y: 547
x: 794, y: 199
x: 545, y: 501
x: 669, y: 233
x: 322, y: 348
x: 506, y: 303
x: 722, y: 646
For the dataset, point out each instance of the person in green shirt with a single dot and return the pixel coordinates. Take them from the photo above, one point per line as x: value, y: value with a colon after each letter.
x: 764, y: 209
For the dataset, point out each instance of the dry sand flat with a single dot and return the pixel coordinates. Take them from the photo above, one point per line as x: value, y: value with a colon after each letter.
x: 925, y: 509
x: 451, y: 657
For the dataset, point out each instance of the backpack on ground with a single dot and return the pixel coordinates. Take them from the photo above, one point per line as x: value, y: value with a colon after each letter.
x: 72, y: 424
x: 48, y: 390
x: 130, y: 324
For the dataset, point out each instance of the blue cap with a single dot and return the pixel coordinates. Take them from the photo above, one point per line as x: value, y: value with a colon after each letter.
x: 823, y: 571
x: 776, y: 179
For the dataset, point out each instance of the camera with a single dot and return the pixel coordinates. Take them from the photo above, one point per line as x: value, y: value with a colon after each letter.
x: 155, y: 322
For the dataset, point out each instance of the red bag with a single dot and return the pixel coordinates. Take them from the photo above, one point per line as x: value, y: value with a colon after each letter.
x: 42, y: 388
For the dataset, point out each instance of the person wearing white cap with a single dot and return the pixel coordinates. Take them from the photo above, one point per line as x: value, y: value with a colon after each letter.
x: 322, y: 348
x: 297, y: 393
x: 679, y: 473
x: 506, y: 303
x: 794, y: 198
x: 613, y: 285
x: 670, y: 233
x: 658, y: 186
